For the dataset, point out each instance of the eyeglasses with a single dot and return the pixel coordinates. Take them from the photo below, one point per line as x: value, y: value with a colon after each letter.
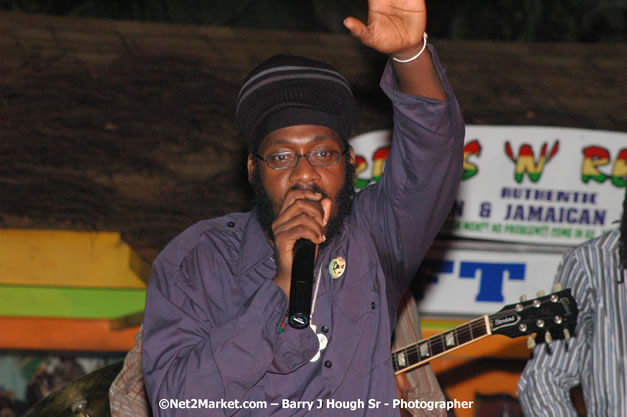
x: 316, y: 158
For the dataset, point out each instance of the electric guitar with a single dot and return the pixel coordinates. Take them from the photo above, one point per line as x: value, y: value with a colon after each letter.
x: 551, y: 317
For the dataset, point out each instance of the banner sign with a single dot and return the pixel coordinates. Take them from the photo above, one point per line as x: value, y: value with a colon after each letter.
x: 540, y: 185
x: 475, y: 278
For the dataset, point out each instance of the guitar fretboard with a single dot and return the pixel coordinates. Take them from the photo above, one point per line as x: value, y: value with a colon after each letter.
x: 419, y: 353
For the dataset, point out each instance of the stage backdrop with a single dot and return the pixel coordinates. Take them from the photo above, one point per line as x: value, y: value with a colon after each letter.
x: 537, y: 190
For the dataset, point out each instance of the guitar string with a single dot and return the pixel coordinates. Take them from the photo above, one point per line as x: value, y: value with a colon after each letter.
x: 461, y: 331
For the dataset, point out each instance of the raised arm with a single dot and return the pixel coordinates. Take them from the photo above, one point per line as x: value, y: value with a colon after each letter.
x: 405, y: 210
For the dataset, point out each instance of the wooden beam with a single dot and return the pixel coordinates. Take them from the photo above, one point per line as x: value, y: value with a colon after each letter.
x: 34, y: 333
x: 79, y: 303
x: 69, y: 259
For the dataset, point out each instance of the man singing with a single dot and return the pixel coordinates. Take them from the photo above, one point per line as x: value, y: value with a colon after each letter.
x: 215, y: 320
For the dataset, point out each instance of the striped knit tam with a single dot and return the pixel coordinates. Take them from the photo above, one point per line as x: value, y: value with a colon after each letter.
x: 288, y: 91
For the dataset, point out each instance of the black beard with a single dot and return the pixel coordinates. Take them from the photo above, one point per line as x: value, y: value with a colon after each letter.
x: 264, y: 211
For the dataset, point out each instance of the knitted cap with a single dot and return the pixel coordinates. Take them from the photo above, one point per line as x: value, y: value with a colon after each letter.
x: 288, y: 91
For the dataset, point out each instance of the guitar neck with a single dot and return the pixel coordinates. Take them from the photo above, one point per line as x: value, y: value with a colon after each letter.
x: 420, y: 353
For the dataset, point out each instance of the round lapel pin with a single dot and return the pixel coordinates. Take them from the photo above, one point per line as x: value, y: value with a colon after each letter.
x: 337, y: 267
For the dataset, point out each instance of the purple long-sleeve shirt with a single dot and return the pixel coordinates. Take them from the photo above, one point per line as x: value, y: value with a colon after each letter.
x: 213, y: 312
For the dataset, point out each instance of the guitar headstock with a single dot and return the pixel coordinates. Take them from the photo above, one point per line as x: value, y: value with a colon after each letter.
x: 551, y: 317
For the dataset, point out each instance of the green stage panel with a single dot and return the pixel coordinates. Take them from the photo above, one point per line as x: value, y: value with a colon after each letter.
x: 75, y: 303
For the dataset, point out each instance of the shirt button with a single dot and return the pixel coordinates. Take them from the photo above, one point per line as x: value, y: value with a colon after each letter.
x: 325, y: 329
x: 373, y: 305
x: 328, y: 364
x: 231, y: 224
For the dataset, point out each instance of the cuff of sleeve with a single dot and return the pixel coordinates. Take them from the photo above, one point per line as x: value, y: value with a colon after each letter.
x: 293, y: 349
x: 389, y: 82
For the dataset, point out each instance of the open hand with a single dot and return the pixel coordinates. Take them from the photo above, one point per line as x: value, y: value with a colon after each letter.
x: 395, y: 27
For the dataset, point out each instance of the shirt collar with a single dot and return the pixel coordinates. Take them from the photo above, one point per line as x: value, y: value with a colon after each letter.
x: 255, y: 247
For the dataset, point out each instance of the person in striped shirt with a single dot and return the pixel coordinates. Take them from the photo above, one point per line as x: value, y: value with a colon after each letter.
x: 596, y: 357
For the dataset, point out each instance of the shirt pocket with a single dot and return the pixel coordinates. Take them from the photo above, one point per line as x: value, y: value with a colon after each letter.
x: 357, y: 319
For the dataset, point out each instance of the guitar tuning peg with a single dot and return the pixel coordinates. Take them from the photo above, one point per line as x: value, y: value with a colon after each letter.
x: 566, y: 334
x: 557, y: 287
x: 523, y: 297
x: 531, y: 343
x: 548, y: 338
x: 540, y: 293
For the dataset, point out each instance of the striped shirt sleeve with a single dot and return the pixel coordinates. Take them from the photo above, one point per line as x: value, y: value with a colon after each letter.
x: 544, y: 386
x: 595, y: 357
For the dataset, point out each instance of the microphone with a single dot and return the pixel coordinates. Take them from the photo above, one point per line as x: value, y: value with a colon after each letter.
x: 301, y: 284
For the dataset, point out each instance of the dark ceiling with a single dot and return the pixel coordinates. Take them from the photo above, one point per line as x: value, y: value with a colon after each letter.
x: 508, y: 20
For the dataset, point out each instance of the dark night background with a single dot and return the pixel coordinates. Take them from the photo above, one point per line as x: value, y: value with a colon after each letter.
x: 508, y: 20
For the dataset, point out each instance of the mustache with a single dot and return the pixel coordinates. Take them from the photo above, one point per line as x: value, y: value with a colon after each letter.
x: 312, y: 187
x: 264, y: 208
